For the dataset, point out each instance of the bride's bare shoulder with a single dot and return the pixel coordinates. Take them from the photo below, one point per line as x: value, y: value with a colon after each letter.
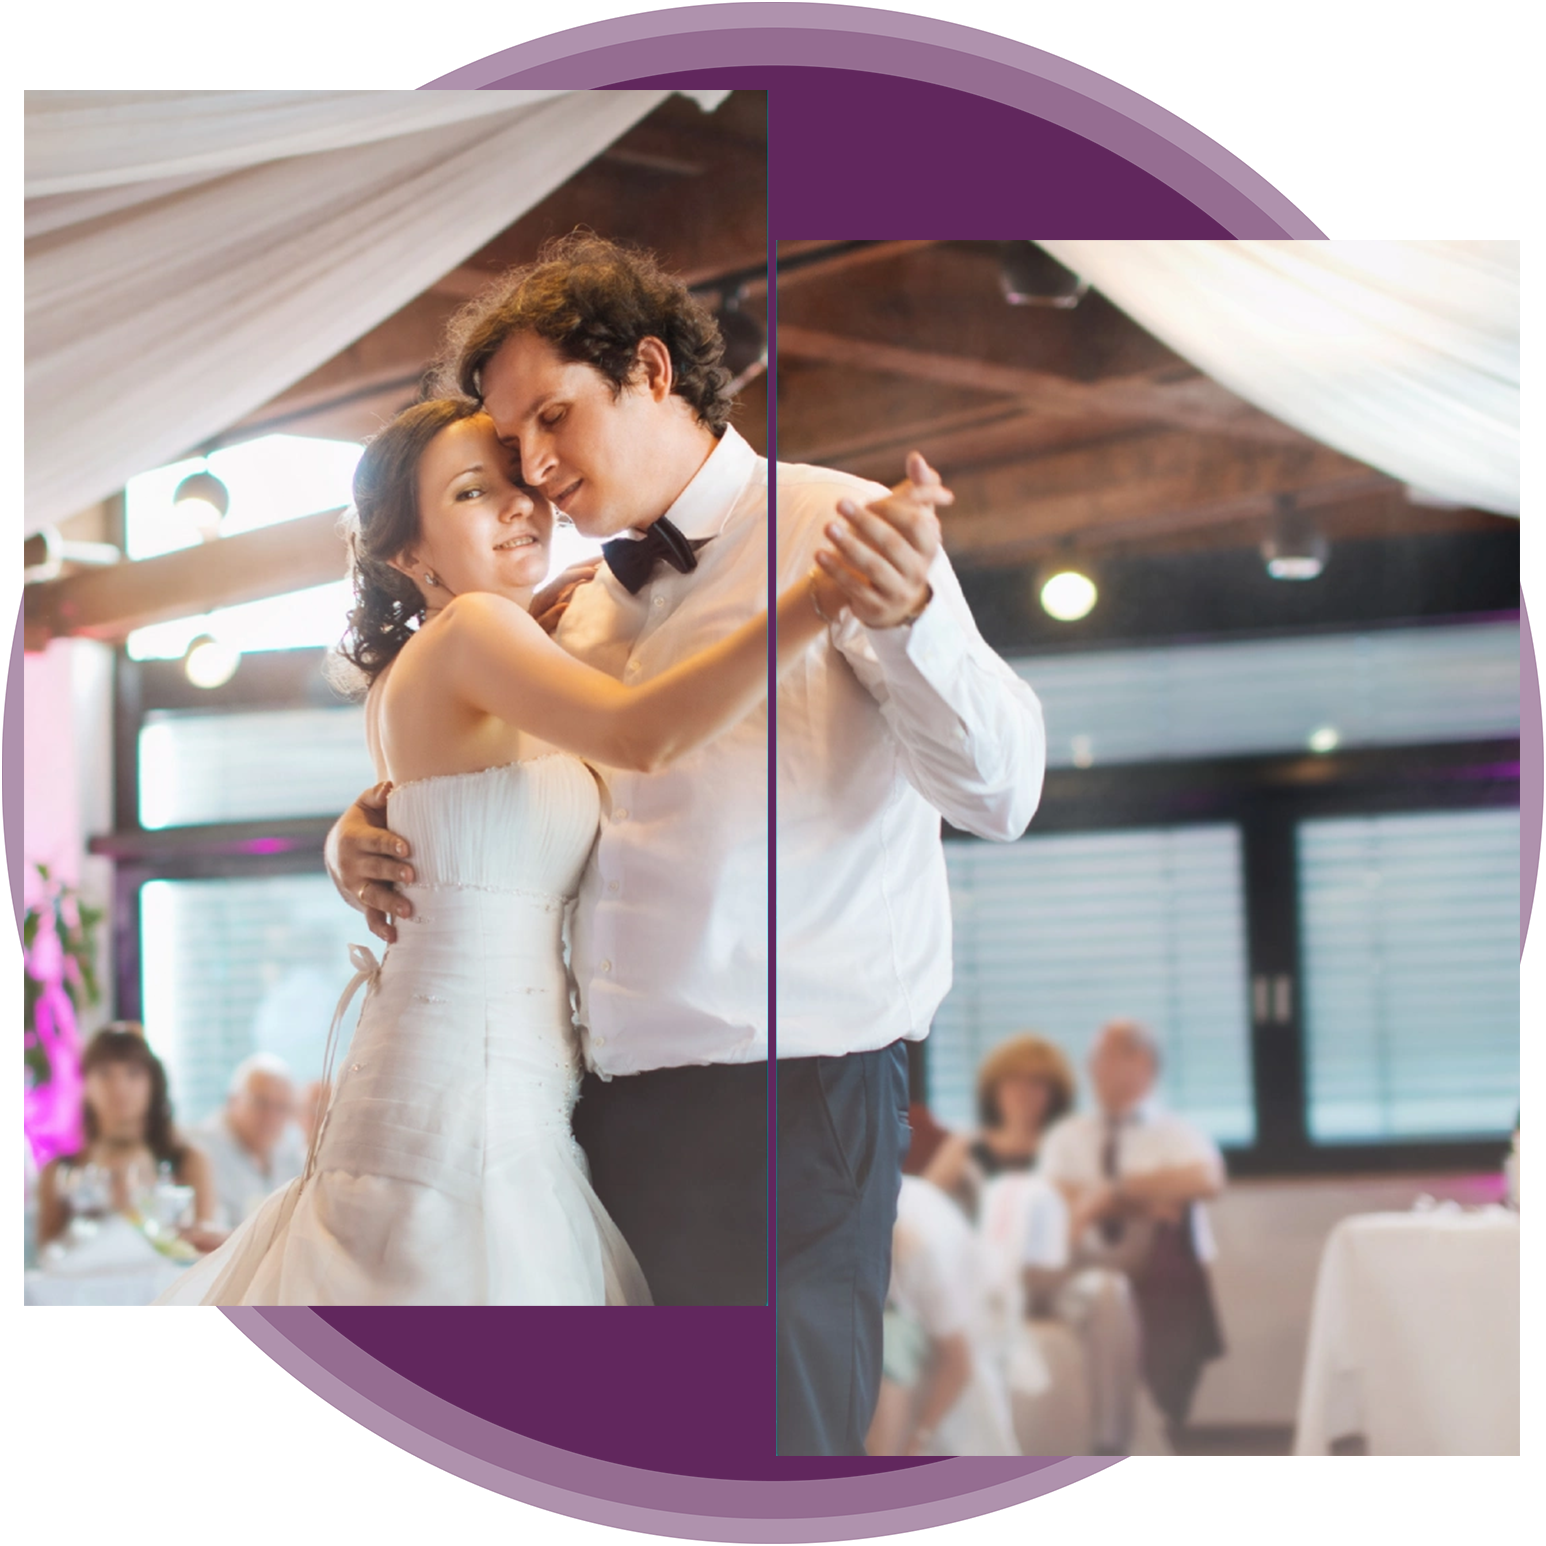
x: 482, y: 619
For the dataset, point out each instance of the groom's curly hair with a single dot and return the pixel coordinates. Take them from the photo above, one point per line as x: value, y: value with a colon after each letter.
x: 595, y: 301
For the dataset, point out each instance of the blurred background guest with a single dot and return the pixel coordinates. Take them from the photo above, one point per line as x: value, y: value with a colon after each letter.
x: 252, y: 1142
x: 129, y: 1137
x: 1023, y: 1086
x: 942, y: 1392
x: 1135, y: 1177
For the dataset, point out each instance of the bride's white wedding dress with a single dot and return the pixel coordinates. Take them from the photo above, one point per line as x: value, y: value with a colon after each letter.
x: 446, y: 1171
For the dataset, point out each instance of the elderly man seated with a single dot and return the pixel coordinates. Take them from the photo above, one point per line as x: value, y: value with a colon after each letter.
x: 252, y: 1142
x: 1135, y: 1177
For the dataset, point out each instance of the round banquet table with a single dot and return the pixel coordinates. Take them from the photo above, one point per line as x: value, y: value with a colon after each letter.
x: 1414, y: 1337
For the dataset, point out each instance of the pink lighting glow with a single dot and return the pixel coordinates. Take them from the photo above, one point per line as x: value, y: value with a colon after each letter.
x: 52, y: 1111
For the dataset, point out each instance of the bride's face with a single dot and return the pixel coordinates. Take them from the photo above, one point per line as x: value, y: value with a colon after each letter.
x: 479, y: 529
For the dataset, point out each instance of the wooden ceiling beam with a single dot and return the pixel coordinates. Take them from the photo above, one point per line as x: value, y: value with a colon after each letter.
x: 109, y: 604
x: 1135, y: 489
x: 947, y: 298
x: 1196, y: 403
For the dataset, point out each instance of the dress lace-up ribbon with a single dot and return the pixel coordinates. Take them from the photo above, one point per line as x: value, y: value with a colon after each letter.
x: 367, y: 970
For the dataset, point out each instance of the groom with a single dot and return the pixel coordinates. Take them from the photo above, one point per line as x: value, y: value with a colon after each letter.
x: 604, y: 375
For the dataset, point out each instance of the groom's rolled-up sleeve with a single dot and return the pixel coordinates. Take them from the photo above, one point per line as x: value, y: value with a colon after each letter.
x: 970, y: 732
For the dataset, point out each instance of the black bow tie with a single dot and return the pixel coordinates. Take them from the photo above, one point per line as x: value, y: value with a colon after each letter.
x: 633, y: 560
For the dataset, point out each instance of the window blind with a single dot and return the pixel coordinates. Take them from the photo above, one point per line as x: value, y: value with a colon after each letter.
x: 249, y: 766
x: 1059, y: 934
x: 233, y: 967
x: 1410, y: 939
x: 1400, y: 686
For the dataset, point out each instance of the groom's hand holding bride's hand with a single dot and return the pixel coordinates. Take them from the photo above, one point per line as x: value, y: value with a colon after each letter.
x: 884, y: 550
x: 367, y: 861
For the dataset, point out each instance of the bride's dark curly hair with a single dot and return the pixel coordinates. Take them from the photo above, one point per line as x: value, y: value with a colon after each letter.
x: 385, y: 521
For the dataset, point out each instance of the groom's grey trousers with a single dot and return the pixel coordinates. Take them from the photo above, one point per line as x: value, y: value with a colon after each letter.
x: 842, y: 1137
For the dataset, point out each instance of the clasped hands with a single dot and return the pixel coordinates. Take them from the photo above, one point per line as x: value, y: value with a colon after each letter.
x: 880, y: 553
x: 1107, y: 1200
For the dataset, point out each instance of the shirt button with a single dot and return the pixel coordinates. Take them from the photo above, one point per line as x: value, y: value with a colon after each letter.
x: 600, y: 1041
x: 658, y: 602
x: 612, y: 885
x: 620, y: 814
x: 606, y: 966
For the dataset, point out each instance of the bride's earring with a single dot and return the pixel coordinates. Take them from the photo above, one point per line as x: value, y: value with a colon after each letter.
x: 429, y: 578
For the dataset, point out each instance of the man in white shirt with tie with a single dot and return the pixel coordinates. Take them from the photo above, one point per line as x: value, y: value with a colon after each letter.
x: 901, y: 714
x: 1136, y: 1178
x: 252, y: 1142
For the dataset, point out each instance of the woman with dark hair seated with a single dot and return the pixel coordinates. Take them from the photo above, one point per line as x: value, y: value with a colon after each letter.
x: 1023, y: 1086
x: 129, y: 1136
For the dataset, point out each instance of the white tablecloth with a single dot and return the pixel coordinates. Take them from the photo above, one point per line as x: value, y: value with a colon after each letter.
x: 85, y: 1406
x: 114, y: 1265
x: 1414, y: 1338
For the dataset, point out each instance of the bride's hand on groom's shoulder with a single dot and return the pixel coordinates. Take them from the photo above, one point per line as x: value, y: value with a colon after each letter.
x: 552, y: 601
x: 883, y: 550
x: 367, y: 860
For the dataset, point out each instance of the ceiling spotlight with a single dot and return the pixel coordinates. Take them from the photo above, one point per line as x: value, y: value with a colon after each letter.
x: 1067, y: 593
x: 202, y: 500
x: 209, y: 662
x: 1030, y: 276
x: 746, y: 342
x: 1325, y: 739
x: 1294, y: 550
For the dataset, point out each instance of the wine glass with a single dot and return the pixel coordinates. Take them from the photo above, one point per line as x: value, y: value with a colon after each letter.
x: 88, y: 1191
x: 171, y: 1209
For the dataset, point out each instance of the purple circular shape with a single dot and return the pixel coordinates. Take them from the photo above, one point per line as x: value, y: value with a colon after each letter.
x: 905, y: 121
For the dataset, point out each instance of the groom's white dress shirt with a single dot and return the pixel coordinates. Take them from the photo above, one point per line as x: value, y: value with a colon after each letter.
x: 880, y: 731
x: 877, y: 734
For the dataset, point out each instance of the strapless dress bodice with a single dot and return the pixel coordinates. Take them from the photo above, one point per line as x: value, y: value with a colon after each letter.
x: 522, y: 827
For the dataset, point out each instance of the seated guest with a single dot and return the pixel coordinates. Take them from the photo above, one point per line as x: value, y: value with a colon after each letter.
x: 129, y: 1136
x: 252, y: 1142
x: 942, y: 1391
x: 1135, y: 1177
x: 1023, y: 1086
x: 1022, y: 1224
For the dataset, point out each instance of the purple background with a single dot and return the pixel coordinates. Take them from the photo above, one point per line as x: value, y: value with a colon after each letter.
x: 906, y: 128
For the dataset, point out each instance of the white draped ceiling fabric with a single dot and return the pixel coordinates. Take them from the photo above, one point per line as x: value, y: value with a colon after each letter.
x: 191, y: 254
x: 1403, y: 355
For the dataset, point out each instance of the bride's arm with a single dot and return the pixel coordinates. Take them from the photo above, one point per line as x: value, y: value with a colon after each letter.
x: 500, y: 661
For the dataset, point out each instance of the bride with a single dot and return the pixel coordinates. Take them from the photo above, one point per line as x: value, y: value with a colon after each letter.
x: 445, y: 1171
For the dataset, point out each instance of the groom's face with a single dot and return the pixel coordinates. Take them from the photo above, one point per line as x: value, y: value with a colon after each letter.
x: 594, y: 452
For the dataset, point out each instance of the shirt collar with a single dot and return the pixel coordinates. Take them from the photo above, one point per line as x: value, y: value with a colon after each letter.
x: 1134, y: 1116
x: 702, y: 508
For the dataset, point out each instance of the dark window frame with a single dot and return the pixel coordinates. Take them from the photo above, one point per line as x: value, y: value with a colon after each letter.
x: 266, y: 680
x: 1266, y: 798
